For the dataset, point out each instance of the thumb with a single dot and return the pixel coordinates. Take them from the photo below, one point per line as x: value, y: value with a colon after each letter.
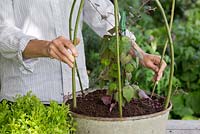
x: 77, y: 41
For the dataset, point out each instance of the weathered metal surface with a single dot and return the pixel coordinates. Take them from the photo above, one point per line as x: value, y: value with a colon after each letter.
x: 147, y: 124
x: 183, y: 127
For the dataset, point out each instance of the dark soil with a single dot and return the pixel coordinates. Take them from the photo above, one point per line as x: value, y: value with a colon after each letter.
x: 92, y: 105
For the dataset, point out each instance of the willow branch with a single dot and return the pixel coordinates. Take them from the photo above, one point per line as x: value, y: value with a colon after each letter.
x: 166, y: 43
x: 74, y: 42
x: 73, y: 69
x: 116, y: 10
x: 171, y: 53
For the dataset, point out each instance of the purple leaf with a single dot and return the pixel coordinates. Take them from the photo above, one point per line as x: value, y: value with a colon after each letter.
x: 142, y: 94
x: 112, y: 106
x: 106, y: 99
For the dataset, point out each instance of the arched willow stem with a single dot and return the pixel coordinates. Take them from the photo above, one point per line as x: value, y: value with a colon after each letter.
x: 166, y: 43
x: 74, y: 42
x: 118, y: 56
x: 171, y: 53
x: 70, y: 19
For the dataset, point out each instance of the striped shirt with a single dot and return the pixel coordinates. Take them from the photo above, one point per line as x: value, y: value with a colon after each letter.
x: 24, y: 20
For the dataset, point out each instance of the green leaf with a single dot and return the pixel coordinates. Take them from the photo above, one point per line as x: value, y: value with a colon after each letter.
x: 189, y: 117
x: 113, y: 74
x: 112, y: 87
x: 186, y: 111
x: 116, y: 98
x: 29, y: 115
x: 114, y: 67
x: 125, y: 45
x: 125, y: 58
x: 135, y: 87
x: 129, y: 93
x: 128, y: 76
x: 188, y: 76
x: 129, y: 68
x: 105, y: 62
x: 177, y: 100
x: 179, y: 106
x: 193, y: 100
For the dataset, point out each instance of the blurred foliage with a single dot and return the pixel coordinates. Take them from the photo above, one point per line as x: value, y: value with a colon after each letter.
x: 145, y: 22
x: 28, y: 115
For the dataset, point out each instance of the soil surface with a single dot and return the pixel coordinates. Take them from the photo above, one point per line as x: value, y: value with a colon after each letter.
x: 92, y: 105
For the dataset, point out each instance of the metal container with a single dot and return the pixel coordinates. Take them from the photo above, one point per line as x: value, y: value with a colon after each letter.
x: 145, y: 124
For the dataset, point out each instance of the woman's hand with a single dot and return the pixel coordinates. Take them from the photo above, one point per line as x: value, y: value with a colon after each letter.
x: 59, y: 48
x: 63, y: 50
x: 149, y: 60
x: 153, y: 62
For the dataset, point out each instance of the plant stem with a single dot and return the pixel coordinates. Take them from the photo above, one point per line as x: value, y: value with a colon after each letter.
x: 70, y: 36
x: 74, y: 87
x: 74, y: 42
x: 70, y: 19
x: 166, y: 43
x: 118, y: 56
x: 154, y: 88
x: 73, y: 69
x: 171, y: 53
x: 77, y: 20
x: 79, y: 78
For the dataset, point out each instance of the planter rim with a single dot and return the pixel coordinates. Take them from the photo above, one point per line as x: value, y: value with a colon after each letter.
x: 123, y: 118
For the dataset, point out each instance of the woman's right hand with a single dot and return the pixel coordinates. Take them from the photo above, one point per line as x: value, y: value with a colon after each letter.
x: 60, y: 48
x: 63, y: 50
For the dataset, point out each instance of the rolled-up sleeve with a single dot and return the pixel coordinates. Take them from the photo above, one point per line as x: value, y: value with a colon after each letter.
x: 99, y: 15
x: 12, y: 40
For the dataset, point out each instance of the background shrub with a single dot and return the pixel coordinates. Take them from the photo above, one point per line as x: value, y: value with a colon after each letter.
x: 145, y: 22
x: 29, y: 116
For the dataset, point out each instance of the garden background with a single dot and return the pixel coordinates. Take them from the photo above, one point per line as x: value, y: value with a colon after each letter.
x: 147, y: 25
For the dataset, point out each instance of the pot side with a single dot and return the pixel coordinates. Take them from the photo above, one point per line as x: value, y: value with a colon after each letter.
x: 145, y: 124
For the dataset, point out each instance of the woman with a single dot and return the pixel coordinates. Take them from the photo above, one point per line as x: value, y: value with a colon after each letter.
x: 36, y: 53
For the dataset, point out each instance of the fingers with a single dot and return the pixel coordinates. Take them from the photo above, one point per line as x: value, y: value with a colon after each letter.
x: 156, y: 59
x: 52, y: 54
x: 68, y: 44
x: 153, y: 62
x: 152, y: 66
x: 161, y: 70
x: 71, y: 47
x: 77, y: 41
x: 131, y: 52
x: 63, y: 50
x: 58, y: 55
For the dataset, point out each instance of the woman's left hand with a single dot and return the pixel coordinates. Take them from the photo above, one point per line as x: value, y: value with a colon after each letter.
x: 152, y: 61
x: 149, y: 60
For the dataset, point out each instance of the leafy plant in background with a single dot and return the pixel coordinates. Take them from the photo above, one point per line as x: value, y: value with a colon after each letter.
x: 187, y: 56
x: 188, y: 59
x: 187, y: 40
x: 186, y: 34
x: 29, y: 115
x: 118, y: 65
x: 109, y: 76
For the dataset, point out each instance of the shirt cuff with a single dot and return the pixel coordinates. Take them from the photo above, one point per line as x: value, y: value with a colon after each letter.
x: 130, y: 35
x: 26, y: 65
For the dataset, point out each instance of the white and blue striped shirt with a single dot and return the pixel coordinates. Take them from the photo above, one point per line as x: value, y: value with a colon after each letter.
x: 23, y: 20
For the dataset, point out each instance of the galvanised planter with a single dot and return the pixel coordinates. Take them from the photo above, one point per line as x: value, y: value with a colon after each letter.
x: 145, y: 124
